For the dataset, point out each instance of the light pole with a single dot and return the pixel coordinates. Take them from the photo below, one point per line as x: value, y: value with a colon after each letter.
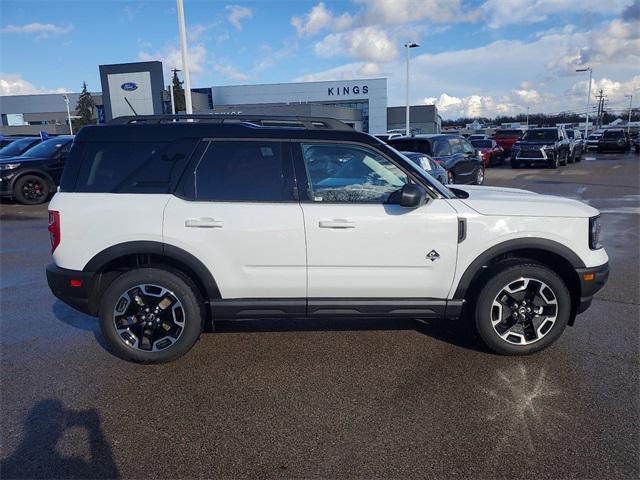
x: 586, y: 124
x: 527, y: 117
x: 630, y: 110
x: 66, y: 100
x: 408, y: 46
x: 185, y: 64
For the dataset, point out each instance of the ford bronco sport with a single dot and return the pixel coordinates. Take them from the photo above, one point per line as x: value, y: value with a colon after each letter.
x: 164, y: 223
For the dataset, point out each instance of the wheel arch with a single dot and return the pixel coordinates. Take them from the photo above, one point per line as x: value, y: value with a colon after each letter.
x: 111, y: 262
x: 554, y: 255
x: 33, y: 171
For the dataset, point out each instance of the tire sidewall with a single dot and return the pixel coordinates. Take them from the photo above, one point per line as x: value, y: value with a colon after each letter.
x: 497, y: 282
x: 169, y: 280
x: 19, y: 184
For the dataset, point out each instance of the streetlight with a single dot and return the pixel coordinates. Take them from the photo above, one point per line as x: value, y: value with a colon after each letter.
x: 66, y: 100
x: 630, y: 110
x: 185, y: 64
x: 527, y: 117
x: 408, y: 46
x: 586, y: 125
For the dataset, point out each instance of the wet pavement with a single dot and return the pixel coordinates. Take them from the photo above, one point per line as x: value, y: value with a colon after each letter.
x: 366, y: 398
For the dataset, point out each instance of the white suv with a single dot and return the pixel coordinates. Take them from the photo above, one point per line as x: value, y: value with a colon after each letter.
x: 161, y: 226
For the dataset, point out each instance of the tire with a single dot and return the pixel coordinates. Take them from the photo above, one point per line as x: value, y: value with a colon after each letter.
x: 566, y: 159
x: 479, y: 176
x: 515, y: 164
x: 555, y: 163
x: 531, y: 332
x: 451, y: 177
x: 151, y: 346
x: 571, y: 158
x: 31, y: 190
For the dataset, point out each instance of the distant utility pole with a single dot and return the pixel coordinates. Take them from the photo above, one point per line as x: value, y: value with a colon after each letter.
x: 601, y: 98
x: 630, y: 110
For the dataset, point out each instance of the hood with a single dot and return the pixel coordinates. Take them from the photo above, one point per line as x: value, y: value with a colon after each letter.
x: 513, y: 202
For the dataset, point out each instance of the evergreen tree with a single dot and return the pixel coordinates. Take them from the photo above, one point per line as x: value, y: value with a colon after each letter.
x: 84, y: 108
x: 178, y: 92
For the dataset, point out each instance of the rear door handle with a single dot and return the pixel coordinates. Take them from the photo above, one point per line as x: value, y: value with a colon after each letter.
x: 203, y: 222
x: 337, y: 223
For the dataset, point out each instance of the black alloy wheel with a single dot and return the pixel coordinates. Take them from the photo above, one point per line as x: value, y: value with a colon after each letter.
x: 31, y: 190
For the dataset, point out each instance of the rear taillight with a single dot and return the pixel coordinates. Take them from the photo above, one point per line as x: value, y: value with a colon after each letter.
x: 54, y: 229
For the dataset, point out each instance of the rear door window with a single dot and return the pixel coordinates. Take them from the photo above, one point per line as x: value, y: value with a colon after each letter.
x: 132, y: 167
x: 245, y: 171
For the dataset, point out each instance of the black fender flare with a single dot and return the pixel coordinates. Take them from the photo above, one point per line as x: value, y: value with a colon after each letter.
x: 33, y: 171
x: 541, y: 244
x: 172, y: 253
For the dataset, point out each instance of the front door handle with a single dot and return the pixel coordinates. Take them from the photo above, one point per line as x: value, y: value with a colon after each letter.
x: 337, y: 223
x: 203, y: 222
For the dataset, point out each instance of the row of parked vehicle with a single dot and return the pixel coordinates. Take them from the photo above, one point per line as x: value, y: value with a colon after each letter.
x: 30, y: 168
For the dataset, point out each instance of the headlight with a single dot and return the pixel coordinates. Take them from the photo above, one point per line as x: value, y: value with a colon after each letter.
x: 9, y: 166
x: 595, y: 227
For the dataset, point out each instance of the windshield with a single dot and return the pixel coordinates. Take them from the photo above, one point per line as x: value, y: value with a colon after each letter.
x: 548, y: 135
x: 507, y: 133
x: 46, y: 148
x: 435, y: 184
x: 16, y: 147
x: 481, y: 143
x: 614, y: 134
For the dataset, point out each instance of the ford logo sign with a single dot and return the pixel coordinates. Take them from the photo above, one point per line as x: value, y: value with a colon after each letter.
x: 129, y: 86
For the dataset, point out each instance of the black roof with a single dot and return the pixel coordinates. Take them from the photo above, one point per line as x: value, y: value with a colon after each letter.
x: 163, y: 128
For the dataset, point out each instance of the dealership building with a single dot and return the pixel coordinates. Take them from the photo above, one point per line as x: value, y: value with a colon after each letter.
x: 138, y: 88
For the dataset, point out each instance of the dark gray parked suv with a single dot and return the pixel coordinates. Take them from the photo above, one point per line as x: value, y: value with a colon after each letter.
x: 549, y: 146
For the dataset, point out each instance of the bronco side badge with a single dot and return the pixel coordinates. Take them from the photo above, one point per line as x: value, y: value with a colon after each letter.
x: 433, y: 255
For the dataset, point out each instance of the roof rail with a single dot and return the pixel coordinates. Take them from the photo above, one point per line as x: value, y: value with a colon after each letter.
x: 308, y: 123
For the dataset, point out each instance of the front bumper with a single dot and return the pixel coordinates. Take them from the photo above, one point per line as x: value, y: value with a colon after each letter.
x: 78, y: 297
x: 537, y: 155
x: 592, y: 280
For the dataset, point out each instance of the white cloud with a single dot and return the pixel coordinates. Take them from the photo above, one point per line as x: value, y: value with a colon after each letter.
x: 40, y: 30
x: 237, y: 14
x: 171, y: 57
x: 229, y: 72
x: 405, y: 11
x: 501, y: 13
x: 14, y: 84
x: 270, y: 57
x: 313, y: 22
x: 366, y: 43
x: 349, y: 71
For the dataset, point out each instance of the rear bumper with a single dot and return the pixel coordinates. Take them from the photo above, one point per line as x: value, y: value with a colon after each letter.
x: 78, y: 297
x: 588, y: 288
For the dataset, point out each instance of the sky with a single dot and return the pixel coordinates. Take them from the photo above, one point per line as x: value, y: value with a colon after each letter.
x: 476, y: 57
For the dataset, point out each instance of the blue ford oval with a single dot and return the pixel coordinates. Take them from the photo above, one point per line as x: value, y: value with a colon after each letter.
x: 129, y: 86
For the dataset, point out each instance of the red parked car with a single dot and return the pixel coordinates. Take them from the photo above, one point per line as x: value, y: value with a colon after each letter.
x: 492, y: 153
x: 506, y: 138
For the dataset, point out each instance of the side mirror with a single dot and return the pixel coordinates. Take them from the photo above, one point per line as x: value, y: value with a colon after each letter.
x: 412, y: 195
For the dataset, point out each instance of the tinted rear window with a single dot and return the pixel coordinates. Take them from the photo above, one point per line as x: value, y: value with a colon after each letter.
x: 614, y: 134
x: 508, y: 133
x: 481, y: 143
x: 411, y: 145
x: 249, y: 171
x: 129, y: 167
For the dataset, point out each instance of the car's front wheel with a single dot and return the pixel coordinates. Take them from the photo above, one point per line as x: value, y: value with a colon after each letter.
x: 479, y: 176
x: 150, y: 315
x: 523, y: 308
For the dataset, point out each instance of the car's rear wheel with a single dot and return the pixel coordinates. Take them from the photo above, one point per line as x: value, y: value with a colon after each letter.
x: 150, y: 315
x: 31, y: 190
x: 451, y: 177
x: 522, y: 309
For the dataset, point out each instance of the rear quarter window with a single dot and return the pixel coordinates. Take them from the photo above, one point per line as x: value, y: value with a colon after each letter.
x: 126, y: 167
x: 412, y: 145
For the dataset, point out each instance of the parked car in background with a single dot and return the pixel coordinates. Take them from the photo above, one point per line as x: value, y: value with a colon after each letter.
x: 593, y: 140
x: 542, y: 146
x: 31, y: 177
x: 506, y: 138
x: 613, y: 140
x: 478, y: 136
x: 429, y: 165
x: 576, y: 144
x: 453, y: 152
x: 635, y: 142
x: 18, y: 146
x: 492, y: 153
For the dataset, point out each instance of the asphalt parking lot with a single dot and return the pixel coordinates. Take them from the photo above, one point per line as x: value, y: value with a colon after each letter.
x: 334, y: 398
